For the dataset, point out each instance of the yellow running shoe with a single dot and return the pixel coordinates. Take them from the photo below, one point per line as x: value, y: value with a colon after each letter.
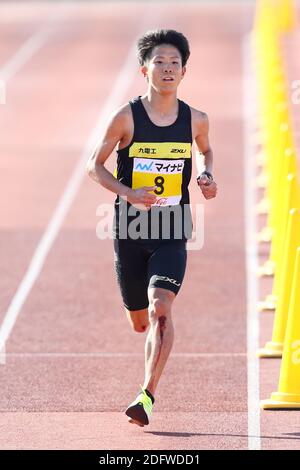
x: 140, y: 410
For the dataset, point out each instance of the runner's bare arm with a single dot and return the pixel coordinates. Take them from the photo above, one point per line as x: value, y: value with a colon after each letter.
x: 202, y: 142
x: 114, y: 133
x: 204, y: 156
x: 95, y: 168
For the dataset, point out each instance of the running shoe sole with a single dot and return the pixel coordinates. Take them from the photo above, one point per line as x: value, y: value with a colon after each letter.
x: 137, y: 415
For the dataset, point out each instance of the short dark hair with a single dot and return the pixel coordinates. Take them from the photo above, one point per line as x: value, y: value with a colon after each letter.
x: 151, y: 39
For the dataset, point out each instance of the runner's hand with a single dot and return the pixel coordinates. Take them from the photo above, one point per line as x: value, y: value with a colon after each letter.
x: 142, y: 197
x: 208, y: 187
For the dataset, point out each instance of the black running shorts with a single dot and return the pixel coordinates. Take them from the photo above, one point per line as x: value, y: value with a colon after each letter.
x: 157, y: 263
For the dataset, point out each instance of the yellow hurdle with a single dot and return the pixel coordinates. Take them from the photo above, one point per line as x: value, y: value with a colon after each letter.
x: 272, y: 154
x: 276, y: 139
x: 287, y: 165
x: 281, y: 143
x: 274, y: 347
x: 290, y: 199
x: 272, y: 19
x: 287, y: 15
x: 280, y: 116
x: 285, y: 162
x: 288, y: 394
x: 272, y: 140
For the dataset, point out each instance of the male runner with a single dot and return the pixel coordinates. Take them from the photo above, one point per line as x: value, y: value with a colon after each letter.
x: 154, y: 133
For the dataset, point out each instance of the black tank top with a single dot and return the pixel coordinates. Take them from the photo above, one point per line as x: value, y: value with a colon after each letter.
x: 157, y: 156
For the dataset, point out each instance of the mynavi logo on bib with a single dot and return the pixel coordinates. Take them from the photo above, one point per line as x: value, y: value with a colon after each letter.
x: 141, y: 166
x: 172, y: 167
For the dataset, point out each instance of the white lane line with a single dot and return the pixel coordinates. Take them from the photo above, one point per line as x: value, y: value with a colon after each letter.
x: 249, y: 113
x: 116, y: 355
x: 33, y: 44
x: 119, y: 88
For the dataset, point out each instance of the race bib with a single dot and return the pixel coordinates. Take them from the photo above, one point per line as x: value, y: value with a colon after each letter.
x: 166, y: 174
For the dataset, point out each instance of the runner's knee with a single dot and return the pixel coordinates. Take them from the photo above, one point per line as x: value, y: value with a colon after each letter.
x: 159, y: 306
x: 138, y: 320
x: 138, y: 328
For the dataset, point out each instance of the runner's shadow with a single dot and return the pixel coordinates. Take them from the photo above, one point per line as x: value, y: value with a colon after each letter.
x: 191, y: 434
x: 174, y: 434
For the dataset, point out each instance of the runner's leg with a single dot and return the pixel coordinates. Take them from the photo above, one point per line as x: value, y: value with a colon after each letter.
x: 160, y: 336
x: 166, y: 269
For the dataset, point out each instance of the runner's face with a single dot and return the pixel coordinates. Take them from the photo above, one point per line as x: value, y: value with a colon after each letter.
x: 164, y: 69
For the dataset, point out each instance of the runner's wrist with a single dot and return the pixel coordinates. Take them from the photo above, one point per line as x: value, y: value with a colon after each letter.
x: 205, y: 173
x: 127, y: 192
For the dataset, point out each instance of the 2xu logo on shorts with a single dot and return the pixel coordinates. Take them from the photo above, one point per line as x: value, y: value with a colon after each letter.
x: 167, y: 279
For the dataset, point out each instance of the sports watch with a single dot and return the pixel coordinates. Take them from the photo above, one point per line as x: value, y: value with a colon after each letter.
x: 206, y: 173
